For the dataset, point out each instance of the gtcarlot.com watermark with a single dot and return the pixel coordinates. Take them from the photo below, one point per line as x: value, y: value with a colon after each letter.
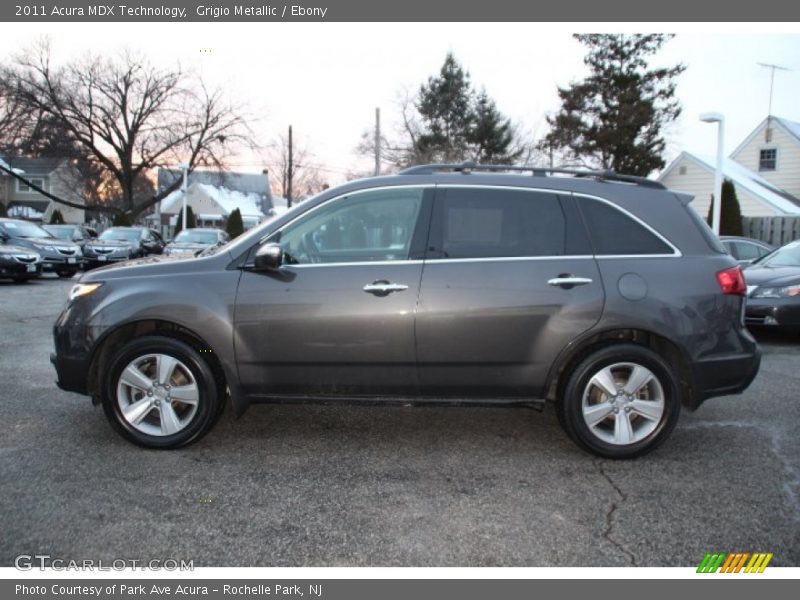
x: 29, y: 562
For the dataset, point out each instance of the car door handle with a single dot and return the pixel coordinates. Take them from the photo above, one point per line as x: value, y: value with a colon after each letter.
x: 383, y: 287
x: 568, y: 281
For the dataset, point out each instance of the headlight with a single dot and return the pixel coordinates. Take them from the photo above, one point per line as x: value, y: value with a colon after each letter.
x: 777, y: 292
x: 83, y: 289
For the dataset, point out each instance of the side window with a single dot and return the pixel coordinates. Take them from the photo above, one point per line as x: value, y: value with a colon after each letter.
x: 372, y: 226
x: 497, y: 223
x: 615, y: 233
x: 747, y: 251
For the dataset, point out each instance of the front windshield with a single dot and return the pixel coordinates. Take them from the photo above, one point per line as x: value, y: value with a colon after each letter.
x: 23, y: 229
x: 120, y: 235
x: 190, y: 236
x: 788, y: 256
x: 64, y: 233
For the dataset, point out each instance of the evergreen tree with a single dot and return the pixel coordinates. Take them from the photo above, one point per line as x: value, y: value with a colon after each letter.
x: 235, y: 226
x: 615, y: 118
x: 491, y: 136
x: 122, y: 220
x: 445, y: 107
x: 730, y: 218
x: 191, y: 222
x: 56, y: 218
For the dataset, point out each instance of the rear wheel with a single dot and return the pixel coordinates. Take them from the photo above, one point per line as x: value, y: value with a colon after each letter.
x: 159, y: 393
x: 622, y: 401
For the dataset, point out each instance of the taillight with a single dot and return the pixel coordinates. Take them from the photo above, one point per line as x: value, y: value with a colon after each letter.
x: 732, y: 281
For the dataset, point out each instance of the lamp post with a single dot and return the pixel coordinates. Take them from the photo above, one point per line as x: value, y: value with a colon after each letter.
x: 719, y: 119
x: 185, y: 168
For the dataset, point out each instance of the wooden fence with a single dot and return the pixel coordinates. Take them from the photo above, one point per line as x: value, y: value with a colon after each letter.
x: 773, y: 230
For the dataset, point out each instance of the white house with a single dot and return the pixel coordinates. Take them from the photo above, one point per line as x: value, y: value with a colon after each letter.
x: 212, y: 205
x: 766, y: 174
x: 54, y: 175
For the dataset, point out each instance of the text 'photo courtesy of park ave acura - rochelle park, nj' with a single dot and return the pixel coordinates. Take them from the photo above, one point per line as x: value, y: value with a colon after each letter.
x: 445, y: 296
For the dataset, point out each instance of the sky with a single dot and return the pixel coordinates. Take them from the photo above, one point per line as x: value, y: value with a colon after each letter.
x: 326, y: 79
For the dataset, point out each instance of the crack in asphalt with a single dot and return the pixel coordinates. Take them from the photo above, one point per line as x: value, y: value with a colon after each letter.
x: 609, y: 525
x: 791, y: 472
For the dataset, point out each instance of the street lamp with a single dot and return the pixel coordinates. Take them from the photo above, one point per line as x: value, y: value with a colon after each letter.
x: 185, y: 168
x: 720, y: 120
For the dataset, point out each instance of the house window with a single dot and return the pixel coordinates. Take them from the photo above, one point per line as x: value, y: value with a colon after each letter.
x: 682, y: 171
x: 26, y: 189
x: 767, y: 159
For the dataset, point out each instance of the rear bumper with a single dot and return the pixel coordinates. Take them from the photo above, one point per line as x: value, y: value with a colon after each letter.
x: 722, y: 376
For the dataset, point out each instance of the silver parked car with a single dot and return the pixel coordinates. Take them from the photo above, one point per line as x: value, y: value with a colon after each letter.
x: 191, y: 242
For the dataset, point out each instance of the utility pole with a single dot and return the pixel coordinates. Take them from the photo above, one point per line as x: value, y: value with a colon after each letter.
x: 289, y: 173
x: 377, y: 141
x: 771, y: 81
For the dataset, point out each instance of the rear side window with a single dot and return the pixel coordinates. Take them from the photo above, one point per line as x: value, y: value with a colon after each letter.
x: 497, y: 223
x: 615, y: 233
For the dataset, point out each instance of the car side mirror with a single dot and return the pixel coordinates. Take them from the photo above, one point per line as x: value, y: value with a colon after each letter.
x: 269, y: 257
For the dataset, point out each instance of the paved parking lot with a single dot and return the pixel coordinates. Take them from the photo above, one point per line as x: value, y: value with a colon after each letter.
x: 364, y: 486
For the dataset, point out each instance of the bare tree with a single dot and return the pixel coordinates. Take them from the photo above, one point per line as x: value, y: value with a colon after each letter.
x: 129, y: 117
x: 306, y: 174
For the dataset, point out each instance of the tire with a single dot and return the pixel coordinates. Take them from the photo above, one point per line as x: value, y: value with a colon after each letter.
x: 21, y: 279
x: 65, y: 274
x: 622, y: 401
x: 158, y: 419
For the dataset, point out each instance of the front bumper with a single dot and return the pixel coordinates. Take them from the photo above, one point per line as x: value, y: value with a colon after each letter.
x: 773, y: 312
x: 61, y: 263
x: 12, y: 268
x: 71, y: 373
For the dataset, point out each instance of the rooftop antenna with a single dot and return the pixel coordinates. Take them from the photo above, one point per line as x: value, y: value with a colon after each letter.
x: 771, y: 81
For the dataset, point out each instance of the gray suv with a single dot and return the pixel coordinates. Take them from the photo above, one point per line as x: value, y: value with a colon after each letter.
x: 458, y: 284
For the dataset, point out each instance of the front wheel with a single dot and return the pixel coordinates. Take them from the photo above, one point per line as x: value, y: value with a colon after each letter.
x: 622, y: 401
x: 158, y: 392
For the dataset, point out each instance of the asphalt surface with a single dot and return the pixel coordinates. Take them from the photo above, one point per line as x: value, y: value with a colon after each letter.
x: 367, y: 486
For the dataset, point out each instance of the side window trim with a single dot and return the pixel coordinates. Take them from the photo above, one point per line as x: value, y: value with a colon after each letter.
x: 420, y: 234
x: 676, y: 253
x: 435, y: 238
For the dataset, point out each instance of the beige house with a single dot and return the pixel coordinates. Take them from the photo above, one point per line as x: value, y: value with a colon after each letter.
x: 55, y: 175
x: 765, y: 169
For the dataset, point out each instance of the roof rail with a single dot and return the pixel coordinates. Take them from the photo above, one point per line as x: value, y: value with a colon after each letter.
x: 468, y: 166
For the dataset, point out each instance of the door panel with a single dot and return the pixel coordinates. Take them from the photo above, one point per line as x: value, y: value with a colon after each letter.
x: 338, y: 317
x: 492, y: 325
x: 313, y: 330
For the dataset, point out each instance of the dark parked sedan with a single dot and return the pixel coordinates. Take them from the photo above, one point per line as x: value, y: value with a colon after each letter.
x: 59, y: 256
x: 191, y: 241
x: 122, y: 243
x: 78, y: 233
x: 19, y: 264
x: 773, y: 289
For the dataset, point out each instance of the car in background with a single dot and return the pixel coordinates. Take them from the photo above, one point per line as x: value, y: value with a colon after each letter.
x: 773, y: 289
x: 19, y: 264
x: 77, y: 233
x: 190, y: 242
x: 745, y: 250
x: 118, y: 244
x: 61, y: 257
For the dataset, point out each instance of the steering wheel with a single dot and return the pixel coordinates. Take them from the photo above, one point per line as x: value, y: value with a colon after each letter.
x: 309, y: 248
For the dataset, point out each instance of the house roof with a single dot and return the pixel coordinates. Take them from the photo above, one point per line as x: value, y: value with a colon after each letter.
x: 228, y: 200
x: 791, y: 127
x: 248, y: 183
x: 744, y: 178
x: 34, y: 166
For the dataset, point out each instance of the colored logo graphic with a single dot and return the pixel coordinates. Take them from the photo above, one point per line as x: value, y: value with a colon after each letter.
x: 735, y: 562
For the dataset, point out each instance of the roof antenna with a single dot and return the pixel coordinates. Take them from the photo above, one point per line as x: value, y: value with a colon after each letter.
x: 771, y: 85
